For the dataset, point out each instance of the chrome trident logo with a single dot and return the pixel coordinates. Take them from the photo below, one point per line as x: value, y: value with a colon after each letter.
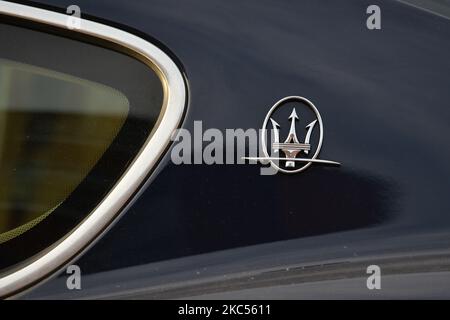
x: 292, y: 156
x: 291, y: 147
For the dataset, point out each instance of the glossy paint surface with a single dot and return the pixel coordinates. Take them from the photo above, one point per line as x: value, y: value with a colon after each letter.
x: 384, y: 98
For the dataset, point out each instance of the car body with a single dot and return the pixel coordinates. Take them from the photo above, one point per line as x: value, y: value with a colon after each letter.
x: 221, y: 231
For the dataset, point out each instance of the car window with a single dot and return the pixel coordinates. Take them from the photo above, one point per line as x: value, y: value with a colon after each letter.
x: 74, y: 113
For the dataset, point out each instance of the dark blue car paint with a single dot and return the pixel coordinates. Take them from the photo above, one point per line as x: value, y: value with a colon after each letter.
x: 384, y: 98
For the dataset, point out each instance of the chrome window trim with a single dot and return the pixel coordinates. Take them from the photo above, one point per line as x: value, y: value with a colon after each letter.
x: 128, y: 184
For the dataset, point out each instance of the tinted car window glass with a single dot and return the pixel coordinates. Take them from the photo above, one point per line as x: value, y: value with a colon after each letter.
x: 74, y: 113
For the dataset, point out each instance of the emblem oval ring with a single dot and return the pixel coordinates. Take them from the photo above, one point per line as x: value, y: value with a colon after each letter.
x: 264, y: 131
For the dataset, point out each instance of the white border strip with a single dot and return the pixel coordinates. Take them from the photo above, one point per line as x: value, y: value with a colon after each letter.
x: 175, y: 96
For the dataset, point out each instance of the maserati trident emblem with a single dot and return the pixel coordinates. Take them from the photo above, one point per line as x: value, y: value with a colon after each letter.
x: 292, y: 155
